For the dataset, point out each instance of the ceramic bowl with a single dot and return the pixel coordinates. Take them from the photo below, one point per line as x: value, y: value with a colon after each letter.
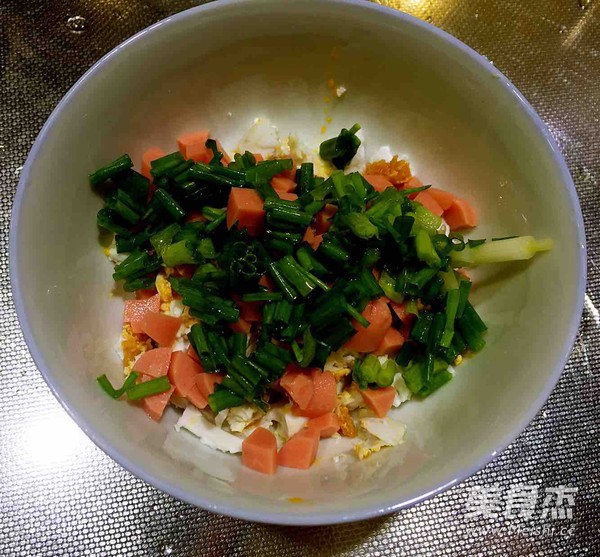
x: 460, y: 122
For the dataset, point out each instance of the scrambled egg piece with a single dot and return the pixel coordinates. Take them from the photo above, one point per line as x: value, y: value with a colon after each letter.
x: 275, y: 420
x: 111, y: 253
x: 240, y: 417
x: 396, y: 171
x: 347, y: 426
x: 188, y: 320
x: 132, y: 346
x: 339, y: 362
x: 351, y: 398
x: 364, y: 451
x: 163, y: 286
x: 379, y: 433
x: 336, y: 90
x: 458, y: 360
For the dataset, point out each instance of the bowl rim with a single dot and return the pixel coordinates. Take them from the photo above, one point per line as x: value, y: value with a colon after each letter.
x: 384, y: 506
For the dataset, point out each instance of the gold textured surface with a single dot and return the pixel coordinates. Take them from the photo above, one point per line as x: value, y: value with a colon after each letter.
x: 60, y: 495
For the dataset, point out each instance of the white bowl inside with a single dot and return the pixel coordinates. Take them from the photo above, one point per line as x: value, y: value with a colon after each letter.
x: 458, y: 120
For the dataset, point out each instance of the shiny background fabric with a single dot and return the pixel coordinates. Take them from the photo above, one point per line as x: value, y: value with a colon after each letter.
x: 60, y: 495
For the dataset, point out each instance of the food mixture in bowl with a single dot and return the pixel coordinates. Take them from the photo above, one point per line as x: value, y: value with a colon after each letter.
x: 283, y: 297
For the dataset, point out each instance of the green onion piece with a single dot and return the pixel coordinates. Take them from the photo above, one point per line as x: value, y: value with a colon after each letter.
x: 357, y: 316
x: 217, y: 155
x: 206, y: 248
x: 337, y: 336
x: 149, y: 388
x: 294, y: 274
x: 108, y: 219
x: 163, y: 238
x: 136, y: 185
x: 436, y: 380
x: 387, y: 372
x: 425, y: 249
x: 360, y: 225
x: 237, y: 384
x: 209, y: 273
x: 294, y: 322
x: 211, y: 213
x: 366, y: 372
x: 452, y: 300
x: 161, y: 166
x: 410, y: 191
x: 172, y: 207
x: 283, y: 285
x: 449, y: 278
x: 206, y: 174
x: 420, y: 330
x: 411, y: 306
x: 264, y: 171
x: 179, y: 171
x: 470, y: 314
x: 436, y: 331
x: 107, y: 387
x: 306, y: 258
x: 333, y: 251
x: 415, y: 376
x: 309, y: 276
x: 222, y: 399
x: 262, y: 297
x: 426, y: 220
x: 199, y: 342
x: 276, y: 351
x: 370, y: 257
x: 131, y: 285
x: 126, y: 244
x: 216, y: 223
x: 297, y: 351
x: 235, y: 176
x: 500, y: 251
x: 274, y: 365
x: 238, y: 343
x: 289, y: 237
x: 472, y: 337
x: 180, y: 253
x: 124, y: 206
x: 136, y: 265
x: 243, y: 162
x: 305, y: 177
x: 288, y: 216
x: 406, y: 354
x: 433, y: 289
x: 340, y: 150
x: 248, y: 371
x: 388, y: 285
x: 309, y: 348
x: 276, y: 245
x: 121, y: 164
x: 464, y: 288
x: 206, y: 305
x: 442, y: 244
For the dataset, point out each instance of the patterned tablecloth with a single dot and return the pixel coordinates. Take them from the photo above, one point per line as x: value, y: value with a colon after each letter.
x: 60, y: 495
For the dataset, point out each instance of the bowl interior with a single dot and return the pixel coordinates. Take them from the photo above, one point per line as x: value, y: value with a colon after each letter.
x: 410, y: 87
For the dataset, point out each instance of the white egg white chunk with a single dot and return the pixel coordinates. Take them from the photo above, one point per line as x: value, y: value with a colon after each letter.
x: 384, y: 153
x: 389, y: 431
x: 208, y: 433
x: 403, y: 393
